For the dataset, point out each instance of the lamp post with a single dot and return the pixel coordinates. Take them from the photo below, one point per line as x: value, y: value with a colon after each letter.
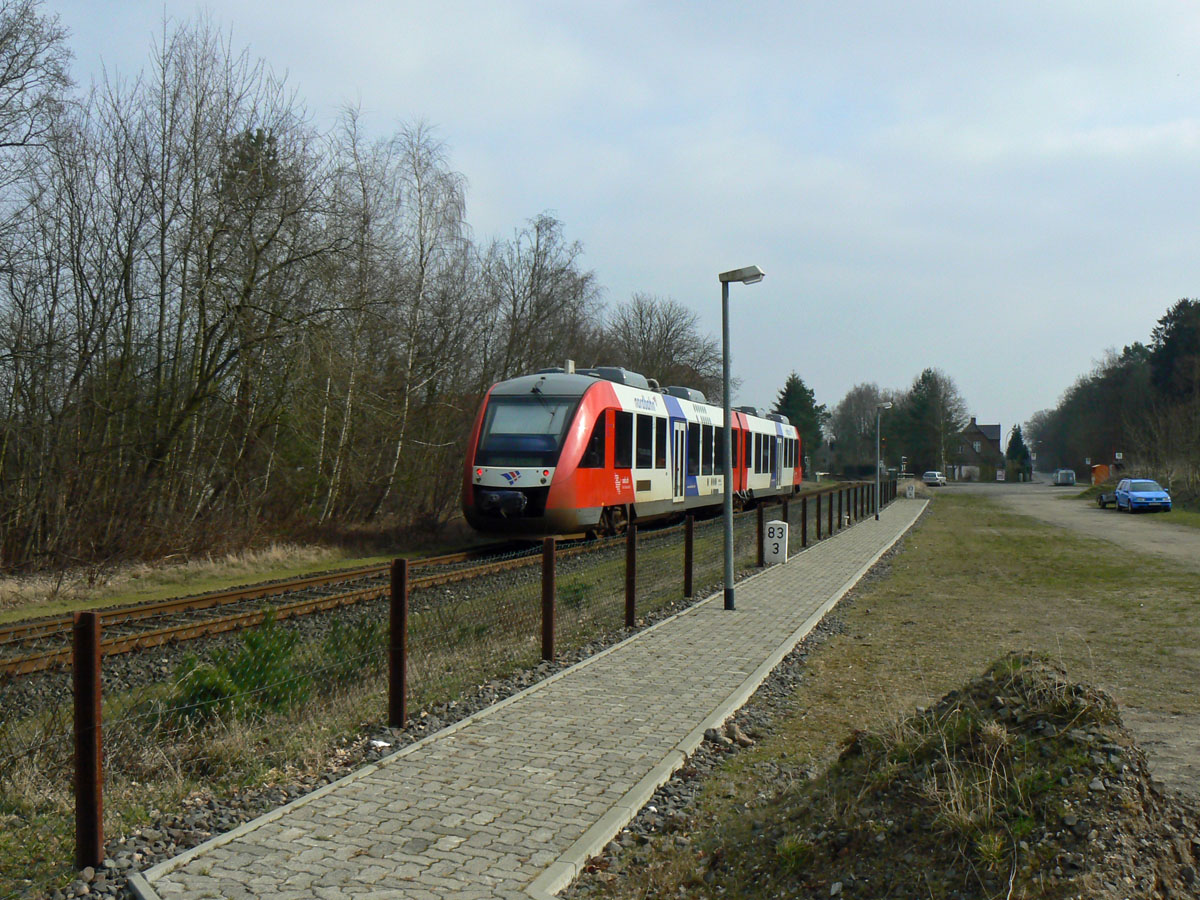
x: 747, y: 275
x: 879, y: 408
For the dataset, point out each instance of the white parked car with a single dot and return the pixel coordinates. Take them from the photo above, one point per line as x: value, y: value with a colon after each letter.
x: 934, y: 479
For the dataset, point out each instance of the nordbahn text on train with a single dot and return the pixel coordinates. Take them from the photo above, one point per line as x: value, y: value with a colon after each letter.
x: 586, y: 452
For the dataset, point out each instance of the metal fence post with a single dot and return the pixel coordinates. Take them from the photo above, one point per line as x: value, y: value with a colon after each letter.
x: 803, y: 522
x: 630, y: 574
x: 830, y: 505
x: 548, y: 590
x: 840, y: 492
x: 818, y: 518
x: 784, y: 513
x: 89, y: 744
x: 398, y: 646
x: 689, y: 536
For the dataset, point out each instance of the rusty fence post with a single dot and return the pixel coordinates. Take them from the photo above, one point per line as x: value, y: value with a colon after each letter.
x: 689, y: 536
x: 548, y: 591
x: 803, y: 522
x: 840, y: 492
x: 630, y: 574
x: 398, y: 645
x: 89, y: 744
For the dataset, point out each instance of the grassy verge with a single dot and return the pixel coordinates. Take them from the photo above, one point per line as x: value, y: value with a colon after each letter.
x: 25, y: 597
x: 972, y: 582
x: 1183, y: 517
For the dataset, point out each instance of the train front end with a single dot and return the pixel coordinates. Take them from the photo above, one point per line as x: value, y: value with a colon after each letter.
x: 520, y: 457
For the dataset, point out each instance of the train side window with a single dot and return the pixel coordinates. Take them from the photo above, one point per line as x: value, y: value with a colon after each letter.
x: 706, y: 439
x: 660, y: 443
x: 734, y: 440
x: 693, y: 465
x: 749, y: 461
x: 623, y: 452
x: 757, y: 453
x: 645, y: 442
x: 766, y: 455
x: 774, y: 445
x: 593, y: 454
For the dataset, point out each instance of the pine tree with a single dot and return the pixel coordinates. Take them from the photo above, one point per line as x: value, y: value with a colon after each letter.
x: 1017, y: 453
x: 796, y: 401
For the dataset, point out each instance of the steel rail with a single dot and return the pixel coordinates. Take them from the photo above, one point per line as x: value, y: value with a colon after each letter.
x: 41, y: 628
x: 118, y: 644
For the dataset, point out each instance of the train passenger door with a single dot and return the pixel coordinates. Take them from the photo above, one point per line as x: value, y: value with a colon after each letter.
x: 678, y: 459
x: 776, y: 460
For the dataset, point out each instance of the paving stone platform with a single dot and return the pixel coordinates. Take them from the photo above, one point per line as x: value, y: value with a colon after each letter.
x: 511, y: 801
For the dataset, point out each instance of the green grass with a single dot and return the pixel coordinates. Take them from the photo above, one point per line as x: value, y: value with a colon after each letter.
x: 1185, y: 517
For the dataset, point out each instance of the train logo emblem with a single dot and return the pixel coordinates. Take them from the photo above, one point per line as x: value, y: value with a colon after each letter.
x: 511, y: 477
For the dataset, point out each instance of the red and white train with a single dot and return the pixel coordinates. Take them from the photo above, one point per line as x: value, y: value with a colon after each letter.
x: 586, y: 452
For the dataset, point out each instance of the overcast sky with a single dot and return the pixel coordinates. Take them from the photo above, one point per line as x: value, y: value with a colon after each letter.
x: 999, y: 190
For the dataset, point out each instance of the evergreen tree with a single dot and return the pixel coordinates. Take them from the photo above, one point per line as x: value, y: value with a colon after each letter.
x: 796, y: 401
x: 1017, y: 453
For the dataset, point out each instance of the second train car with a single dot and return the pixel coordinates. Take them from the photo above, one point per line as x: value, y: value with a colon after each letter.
x: 559, y: 453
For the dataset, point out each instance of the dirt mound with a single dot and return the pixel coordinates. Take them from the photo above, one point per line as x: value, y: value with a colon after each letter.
x: 1021, y: 784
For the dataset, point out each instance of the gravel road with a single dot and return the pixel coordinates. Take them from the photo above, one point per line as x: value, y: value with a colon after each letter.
x: 1171, y: 738
x: 1141, y: 533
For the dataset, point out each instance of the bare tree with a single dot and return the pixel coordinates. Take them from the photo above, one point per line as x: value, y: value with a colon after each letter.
x: 542, y: 305
x: 852, y: 428
x: 660, y: 337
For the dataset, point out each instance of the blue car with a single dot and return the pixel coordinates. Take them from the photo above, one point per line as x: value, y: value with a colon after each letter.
x: 1134, y: 494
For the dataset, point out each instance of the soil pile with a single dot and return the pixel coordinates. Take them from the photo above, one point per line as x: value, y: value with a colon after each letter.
x: 1021, y: 784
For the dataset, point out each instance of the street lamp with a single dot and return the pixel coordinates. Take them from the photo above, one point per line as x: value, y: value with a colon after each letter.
x: 747, y: 275
x: 879, y: 408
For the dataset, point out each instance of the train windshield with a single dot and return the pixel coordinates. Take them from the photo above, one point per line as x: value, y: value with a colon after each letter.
x: 524, y: 431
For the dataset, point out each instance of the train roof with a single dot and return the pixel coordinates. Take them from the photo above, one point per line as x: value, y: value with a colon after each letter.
x: 562, y: 384
x: 558, y: 384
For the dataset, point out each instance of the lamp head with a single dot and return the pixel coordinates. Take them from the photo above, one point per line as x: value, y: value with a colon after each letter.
x: 746, y: 275
x: 886, y: 404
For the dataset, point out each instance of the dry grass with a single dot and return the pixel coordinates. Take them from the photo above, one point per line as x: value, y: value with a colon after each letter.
x: 44, y: 595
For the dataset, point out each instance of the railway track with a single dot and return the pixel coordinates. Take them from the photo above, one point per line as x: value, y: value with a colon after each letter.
x: 45, y: 644
x: 38, y: 645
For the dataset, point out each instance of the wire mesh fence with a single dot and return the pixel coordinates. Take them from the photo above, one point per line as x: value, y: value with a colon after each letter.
x: 36, y: 771
x: 590, y: 594
x: 659, y: 581
x: 245, y: 707
x: 462, y: 635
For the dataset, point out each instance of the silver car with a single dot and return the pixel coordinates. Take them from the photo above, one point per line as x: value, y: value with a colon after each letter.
x: 934, y: 479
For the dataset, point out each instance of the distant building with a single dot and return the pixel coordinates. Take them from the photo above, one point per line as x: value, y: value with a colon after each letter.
x: 980, y: 455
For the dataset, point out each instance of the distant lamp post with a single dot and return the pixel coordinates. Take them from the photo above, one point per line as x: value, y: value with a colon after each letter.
x: 879, y: 408
x: 747, y: 275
